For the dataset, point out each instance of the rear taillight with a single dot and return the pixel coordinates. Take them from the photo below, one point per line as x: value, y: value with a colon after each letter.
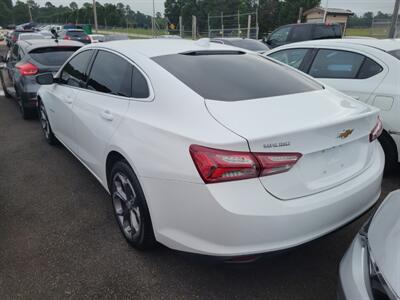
x: 27, y: 69
x: 87, y: 38
x: 216, y: 165
x: 275, y: 163
x: 377, y: 131
x: 67, y: 37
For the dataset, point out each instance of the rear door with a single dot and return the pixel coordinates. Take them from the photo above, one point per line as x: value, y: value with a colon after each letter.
x: 9, y: 71
x: 350, y: 72
x: 100, y: 107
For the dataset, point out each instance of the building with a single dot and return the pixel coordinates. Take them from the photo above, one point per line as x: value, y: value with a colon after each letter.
x: 333, y: 15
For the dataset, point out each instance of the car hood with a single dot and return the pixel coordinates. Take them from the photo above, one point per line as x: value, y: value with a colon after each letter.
x: 384, y: 240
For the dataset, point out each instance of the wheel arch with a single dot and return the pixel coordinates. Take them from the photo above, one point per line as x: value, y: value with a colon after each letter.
x: 386, y: 135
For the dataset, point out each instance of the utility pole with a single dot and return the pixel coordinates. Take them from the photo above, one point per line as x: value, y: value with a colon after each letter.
x: 248, y: 25
x: 30, y: 13
x: 194, y: 27
x: 222, y: 23
x: 208, y: 23
x: 392, y: 31
x: 238, y: 23
x: 153, y: 24
x: 300, y: 15
x: 257, y: 27
x: 95, y: 16
x: 180, y: 27
x: 326, y: 10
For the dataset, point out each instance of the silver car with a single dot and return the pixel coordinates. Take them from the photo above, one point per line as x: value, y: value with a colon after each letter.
x: 371, y: 267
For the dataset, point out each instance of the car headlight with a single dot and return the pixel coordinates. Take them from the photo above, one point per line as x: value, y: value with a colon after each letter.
x: 380, y: 288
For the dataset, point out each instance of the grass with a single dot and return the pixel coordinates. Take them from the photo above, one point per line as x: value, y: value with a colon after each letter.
x: 376, y: 32
x: 134, y: 31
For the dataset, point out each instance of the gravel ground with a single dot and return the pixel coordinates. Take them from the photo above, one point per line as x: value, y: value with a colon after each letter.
x: 59, y: 239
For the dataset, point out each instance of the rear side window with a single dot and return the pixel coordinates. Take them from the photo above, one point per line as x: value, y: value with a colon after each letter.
x: 234, y: 77
x: 140, y: 87
x: 52, y: 56
x: 369, y: 69
x: 300, y: 33
x: 327, y: 31
x: 336, y: 64
x: 111, y: 74
x: 74, y: 72
x: 291, y: 57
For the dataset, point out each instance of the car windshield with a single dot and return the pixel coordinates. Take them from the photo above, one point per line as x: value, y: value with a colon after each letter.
x: 234, y: 76
x: 249, y: 45
x: 52, y: 56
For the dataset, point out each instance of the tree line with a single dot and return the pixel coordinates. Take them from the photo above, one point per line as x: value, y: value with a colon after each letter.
x: 108, y: 14
x: 272, y: 13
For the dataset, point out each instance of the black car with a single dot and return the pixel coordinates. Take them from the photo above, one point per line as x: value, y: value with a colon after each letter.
x: 24, y: 61
x: 244, y: 43
x: 303, y: 32
x: 74, y: 35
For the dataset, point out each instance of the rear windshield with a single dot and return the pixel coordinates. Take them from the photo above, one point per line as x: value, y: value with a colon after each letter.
x: 76, y: 33
x: 26, y: 37
x: 249, y: 45
x: 52, y: 56
x: 234, y: 77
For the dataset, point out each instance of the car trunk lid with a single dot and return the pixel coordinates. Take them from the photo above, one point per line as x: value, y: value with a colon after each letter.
x: 330, y: 130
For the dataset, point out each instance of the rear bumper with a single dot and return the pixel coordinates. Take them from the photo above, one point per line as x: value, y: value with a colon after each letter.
x: 241, y: 218
x: 353, y: 273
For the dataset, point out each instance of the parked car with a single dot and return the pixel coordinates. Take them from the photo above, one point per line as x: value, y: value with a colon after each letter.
x: 370, y: 268
x: 203, y: 151
x: 96, y: 38
x: 24, y: 61
x: 74, y: 35
x: 243, y: 43
x: 365, y: 69
x: 47, y: 34
x: 303, y: 32
x: 30, y: 36
x: 13, y: 36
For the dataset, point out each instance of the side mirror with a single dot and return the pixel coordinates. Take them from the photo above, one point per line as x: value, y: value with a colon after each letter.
x: 45, y: 79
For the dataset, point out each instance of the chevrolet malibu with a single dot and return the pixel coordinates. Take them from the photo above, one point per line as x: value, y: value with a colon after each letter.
x: 211, y: 149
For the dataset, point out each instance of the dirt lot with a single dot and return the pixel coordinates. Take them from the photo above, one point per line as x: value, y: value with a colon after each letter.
x: 59, y: 239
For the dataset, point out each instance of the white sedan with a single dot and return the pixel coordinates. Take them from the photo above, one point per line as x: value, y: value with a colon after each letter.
x: 366, y: 69
x: 211, y: 149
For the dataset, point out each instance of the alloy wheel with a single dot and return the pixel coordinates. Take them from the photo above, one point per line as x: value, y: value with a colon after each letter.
x: 126, y: 206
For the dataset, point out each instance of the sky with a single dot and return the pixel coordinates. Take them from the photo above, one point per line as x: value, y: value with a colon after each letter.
x: 146, y: 6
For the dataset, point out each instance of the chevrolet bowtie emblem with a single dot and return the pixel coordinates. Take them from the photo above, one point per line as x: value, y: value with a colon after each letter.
x: 345, y: 134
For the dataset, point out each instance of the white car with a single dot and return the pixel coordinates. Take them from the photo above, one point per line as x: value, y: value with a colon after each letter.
x: 366, y: 69
x: 30, y: 36
x: 210, y: 149
x: 96, y: 38
x: 370, y: 268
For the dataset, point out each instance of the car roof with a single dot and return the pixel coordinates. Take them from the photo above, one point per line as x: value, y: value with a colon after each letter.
x: 159, y: 47
x: 231, y: 39
x: 384, y: 45
x: 74, y: 29
x: 34, y: 44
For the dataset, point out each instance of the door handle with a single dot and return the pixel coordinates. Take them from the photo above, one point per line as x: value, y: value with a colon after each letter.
x: 107, y: 115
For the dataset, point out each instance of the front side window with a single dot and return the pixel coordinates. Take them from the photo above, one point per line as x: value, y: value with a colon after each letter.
x: 300, y: 33
x: 336, y: 64
x: 291, y: 57
x: 111, y: 74
x: 14, y: 53
x: 234, y: 76
x: 74, y: 72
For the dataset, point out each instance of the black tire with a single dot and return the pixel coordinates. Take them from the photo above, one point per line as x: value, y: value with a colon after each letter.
x: 46, y: 127
x: 390, y: 149
x: 3, y: 85
x: 130, y: 207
